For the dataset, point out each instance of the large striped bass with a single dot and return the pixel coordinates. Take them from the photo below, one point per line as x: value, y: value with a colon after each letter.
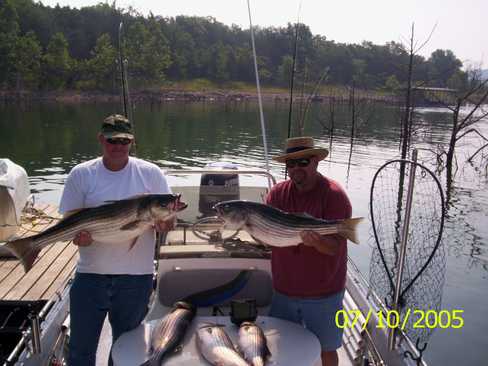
x: 252, y: 344
x: 169, y: 332
x: 278, y: 228
x: 117, y: 221
x: 217, y: 348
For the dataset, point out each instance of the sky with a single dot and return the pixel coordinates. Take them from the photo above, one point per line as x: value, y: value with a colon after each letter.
x: 457, y: 27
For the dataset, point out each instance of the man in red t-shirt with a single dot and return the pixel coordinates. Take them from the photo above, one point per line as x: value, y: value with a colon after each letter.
x: 309, y: 279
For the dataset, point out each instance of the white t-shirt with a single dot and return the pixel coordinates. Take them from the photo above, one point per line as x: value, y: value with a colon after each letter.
x: 90, y: 184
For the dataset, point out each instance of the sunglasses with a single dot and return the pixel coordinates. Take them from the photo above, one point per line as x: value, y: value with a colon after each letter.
x: 302, y: 163
x: 119, y: 141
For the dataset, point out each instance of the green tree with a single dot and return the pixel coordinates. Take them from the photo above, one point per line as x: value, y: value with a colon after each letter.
x: 392, y: 84
x: 443, y: 64
x: 56, y: 63
x: 147, y: 51
x: 285, y: 69
x: 27, y: 55
x: 9, y: 29
x: 221, y: 57
x: 102, y: 64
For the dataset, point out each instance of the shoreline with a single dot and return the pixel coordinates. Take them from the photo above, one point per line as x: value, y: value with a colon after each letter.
x: 168, y: 96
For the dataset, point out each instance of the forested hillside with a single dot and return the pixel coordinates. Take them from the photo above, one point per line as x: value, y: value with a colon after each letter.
x: 45, y: 48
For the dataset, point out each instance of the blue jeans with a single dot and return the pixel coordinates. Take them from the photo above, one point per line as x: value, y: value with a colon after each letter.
x: 317, y: 315
x: 124, y: 298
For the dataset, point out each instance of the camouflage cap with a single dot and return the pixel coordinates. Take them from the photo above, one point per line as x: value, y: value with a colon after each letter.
x: 117, y: 126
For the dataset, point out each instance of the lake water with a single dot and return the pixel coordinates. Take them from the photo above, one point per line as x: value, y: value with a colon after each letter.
x: 49, y: 139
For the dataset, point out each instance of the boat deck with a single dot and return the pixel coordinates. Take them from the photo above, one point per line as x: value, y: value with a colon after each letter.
x: 52, y: 269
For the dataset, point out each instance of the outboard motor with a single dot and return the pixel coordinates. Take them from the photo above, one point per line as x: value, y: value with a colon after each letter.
x: 217, y: 187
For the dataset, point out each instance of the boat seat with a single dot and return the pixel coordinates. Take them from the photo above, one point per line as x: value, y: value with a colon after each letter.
x: 178, y: 284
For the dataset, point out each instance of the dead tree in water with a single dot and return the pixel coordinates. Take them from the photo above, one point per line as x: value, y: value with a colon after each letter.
x: 406, y: 130
x: 362, y: 111
x: 466, y: 113
x: 326, y: 117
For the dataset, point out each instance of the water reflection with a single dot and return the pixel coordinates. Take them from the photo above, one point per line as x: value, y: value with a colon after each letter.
x: 48, y: 140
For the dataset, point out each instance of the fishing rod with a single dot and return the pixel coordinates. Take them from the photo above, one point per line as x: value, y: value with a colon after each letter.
x: 261, y: 115
x: 290, y: 107
x: 293, y: 67
x: 124, y: 84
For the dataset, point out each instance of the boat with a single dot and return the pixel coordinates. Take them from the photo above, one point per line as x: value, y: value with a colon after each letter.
x: 198, y: 255
x: 14, y: 194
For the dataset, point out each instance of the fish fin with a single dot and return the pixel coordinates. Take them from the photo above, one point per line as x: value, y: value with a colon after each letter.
x: 267, y: 351
x: 24, y: 250
x: 131, y: 225
x: 133, y: 243
x: 348, y: 229
x: 71, y: 212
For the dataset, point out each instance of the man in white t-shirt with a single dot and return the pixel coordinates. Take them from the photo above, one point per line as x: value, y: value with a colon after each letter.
x: 110, y: 278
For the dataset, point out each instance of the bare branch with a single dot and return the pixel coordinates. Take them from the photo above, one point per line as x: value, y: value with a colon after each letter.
x: 475, y: 89
x: 477, y: 151
x: 474, y: 109
x: 475, y: 120
x: 428, y: 38
x: 472, y: 130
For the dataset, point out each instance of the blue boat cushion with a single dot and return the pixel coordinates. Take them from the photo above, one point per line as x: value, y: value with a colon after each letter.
x: 180, y: 284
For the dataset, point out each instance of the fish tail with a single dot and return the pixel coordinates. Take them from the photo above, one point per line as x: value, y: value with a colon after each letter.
x: 150, y: 362
x: 25, y: 250
x: 348, y: 229
x: 155, y: 359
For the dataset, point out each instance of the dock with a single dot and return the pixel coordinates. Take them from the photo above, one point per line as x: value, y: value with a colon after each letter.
x: 53, y: 267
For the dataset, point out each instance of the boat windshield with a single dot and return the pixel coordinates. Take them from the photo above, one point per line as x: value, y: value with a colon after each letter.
x: 201, y: 190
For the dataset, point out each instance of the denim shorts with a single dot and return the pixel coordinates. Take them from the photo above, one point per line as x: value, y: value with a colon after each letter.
x: 317, y: 315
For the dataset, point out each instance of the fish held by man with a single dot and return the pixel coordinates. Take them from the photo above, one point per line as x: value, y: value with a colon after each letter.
x: 252, y: 344
x: 274, y: 227
x: 216, y: 347
x: 169, y: 332
x: 117, y: 221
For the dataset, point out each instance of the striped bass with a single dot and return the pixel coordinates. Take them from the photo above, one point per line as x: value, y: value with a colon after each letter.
x: 277, y: 228
x: 252, y: 344
x: 170, y: 331
x: 116, y: 221
x: 217, y: 348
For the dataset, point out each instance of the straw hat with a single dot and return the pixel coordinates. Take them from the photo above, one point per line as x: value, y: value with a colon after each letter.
x: 301, y: 147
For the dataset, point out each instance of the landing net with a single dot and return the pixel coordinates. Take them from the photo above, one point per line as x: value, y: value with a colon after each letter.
x: 425, y: 261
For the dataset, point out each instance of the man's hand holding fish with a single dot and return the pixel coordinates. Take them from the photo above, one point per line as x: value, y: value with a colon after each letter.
x: 323, y: 244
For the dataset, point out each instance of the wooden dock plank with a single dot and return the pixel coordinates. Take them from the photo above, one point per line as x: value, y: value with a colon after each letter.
x: 22, y: 232
x: 62, y: 278
x: 52, y: 269
x: 29, y: 279
x: 9, y: 265
x: 50, y: 276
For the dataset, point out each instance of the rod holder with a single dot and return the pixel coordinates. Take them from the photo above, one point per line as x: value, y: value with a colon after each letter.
x: 35, y: 333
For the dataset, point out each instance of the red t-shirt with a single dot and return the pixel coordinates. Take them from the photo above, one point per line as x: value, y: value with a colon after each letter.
x: 301, y: 270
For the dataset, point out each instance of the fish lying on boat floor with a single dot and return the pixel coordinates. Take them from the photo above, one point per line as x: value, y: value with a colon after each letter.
x: 169, y: 332
x: 278, y: 228
x: 118, y: 221
x: 252, y: 344
x: 217, y: 348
